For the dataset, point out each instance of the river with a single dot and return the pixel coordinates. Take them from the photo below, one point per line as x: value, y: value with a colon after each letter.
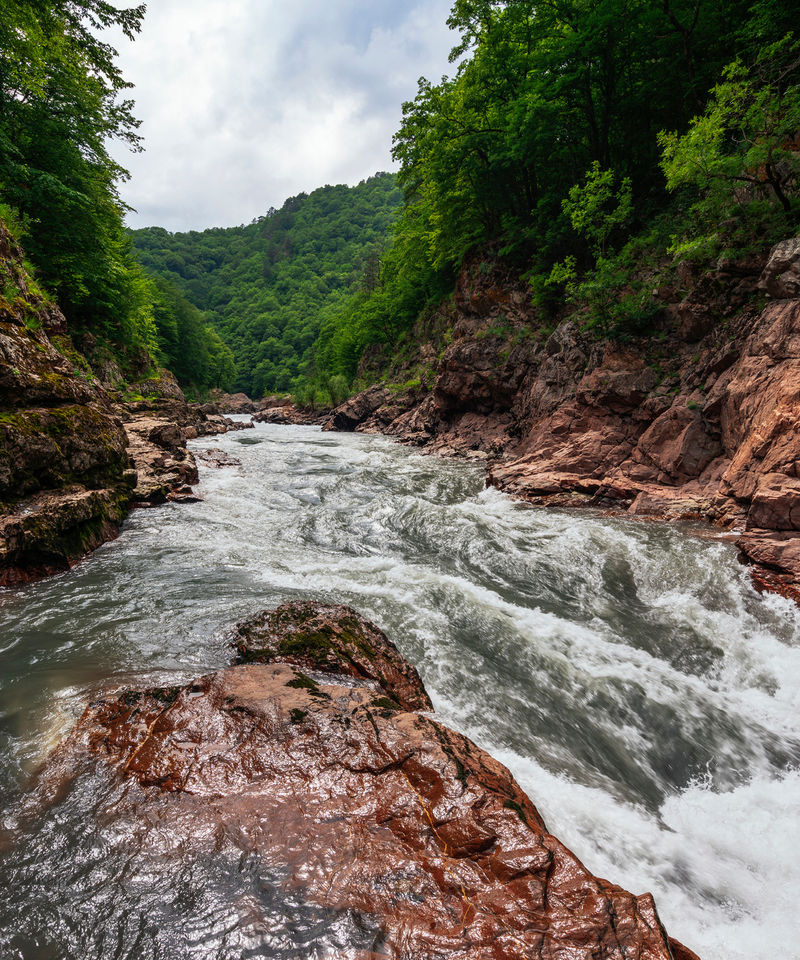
x: 642, y: 692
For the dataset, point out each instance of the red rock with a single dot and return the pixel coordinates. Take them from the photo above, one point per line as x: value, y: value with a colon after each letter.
x: 711, y: 429
x: 361, y: 804
x: 781, y: 275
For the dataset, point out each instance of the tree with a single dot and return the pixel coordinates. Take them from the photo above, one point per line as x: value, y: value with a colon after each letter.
x: 596, y: 209
x: 748, y: 135
x: 61, y: 101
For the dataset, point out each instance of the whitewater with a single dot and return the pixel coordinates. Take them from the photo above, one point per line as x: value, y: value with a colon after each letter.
x: 642, y: 692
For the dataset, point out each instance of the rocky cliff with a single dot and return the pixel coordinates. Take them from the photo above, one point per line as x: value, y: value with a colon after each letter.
x: 698, y: 420
x: 318, y: 755
x: 73, y: 456
x: 65, y: 476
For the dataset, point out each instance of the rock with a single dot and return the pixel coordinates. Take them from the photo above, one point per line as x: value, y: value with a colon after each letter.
x: 64, y: 471
x: 184, y: 494
x: 357, y: 409
x: 700, y: 421
x: 48, y: 532
x: 679, y: 445
x: 163, y: 463
x: 330, y: 639
x: 781, y: 276
x: 217, y: 458
x: 229, y: 403
x: 288, y: 413
x: 364, y: 806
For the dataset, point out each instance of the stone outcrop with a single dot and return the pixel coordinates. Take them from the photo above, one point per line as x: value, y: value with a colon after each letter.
x: 158, y: 429
x: 315, y: 757
x: 781, y: 276
x: 283, y: 411
x: 699, y: 421
x: 65, y: 477
x: 73, y: 454
x: 222, y: 403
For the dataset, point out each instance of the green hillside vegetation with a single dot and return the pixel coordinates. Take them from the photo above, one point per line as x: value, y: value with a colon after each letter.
x: 267, y: 287
x: 586, y: 142
x: 62, y: 100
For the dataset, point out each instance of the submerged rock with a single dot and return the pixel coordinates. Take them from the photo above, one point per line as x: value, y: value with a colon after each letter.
x: 313, y: 756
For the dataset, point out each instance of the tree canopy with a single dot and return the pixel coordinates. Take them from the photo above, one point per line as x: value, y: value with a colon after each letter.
x: 268, y: 286
x: 545, y: 148
x: 62, y: 102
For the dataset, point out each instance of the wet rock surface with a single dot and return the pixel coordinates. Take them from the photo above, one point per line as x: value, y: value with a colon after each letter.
x: 367, y: 809
x: 699, y: 421
x: 64, y: 471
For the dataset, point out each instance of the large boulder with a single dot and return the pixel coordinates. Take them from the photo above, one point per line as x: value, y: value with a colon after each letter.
x: 781, y: 275
x: 313, y: 756
x: 357, y: 409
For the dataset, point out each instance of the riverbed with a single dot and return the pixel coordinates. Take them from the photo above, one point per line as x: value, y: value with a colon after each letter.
x: 640, y: 689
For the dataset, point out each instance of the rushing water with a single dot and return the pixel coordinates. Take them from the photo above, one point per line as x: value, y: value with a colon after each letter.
x: 644, y: 695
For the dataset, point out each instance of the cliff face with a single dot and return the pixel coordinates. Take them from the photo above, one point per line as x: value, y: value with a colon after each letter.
x: 73, y: 458
x: 698, y: 421
x: 64, y: 471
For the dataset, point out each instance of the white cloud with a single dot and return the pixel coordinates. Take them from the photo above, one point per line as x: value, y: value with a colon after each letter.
x: 246, y: 102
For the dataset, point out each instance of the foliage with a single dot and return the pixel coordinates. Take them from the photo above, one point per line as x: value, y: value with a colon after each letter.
x: 595, y: 209
x: 186, y: 344
x: 544, y: 148
x: 743, y: 151
x: 61, y: 102
x: 268, y: 287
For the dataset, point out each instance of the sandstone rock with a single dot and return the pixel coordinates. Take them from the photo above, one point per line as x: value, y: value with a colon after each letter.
x: 702, y: 424
x: 163, y: 464
x: 357, y: 409
x: 217, y: 458
x: 678, y: 444
x: 229, y: 403
x: 288, y: 413
x: 64, y: 470
x: 330, y: 638
x: 362, y: 806
x: 781, y: 275
x: 49, y: 531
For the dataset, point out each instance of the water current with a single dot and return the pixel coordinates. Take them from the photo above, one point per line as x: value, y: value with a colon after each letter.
x: 641, y: 691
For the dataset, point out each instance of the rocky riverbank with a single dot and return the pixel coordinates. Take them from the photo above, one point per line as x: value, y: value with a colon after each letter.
x: 701, y: 420
x: 317, y: 753
x: 74, y: 455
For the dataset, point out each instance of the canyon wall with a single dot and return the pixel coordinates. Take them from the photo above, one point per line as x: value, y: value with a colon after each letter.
x: 698, y: 420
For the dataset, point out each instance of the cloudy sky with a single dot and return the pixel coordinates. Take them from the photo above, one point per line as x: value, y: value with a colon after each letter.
x: 247, y: 102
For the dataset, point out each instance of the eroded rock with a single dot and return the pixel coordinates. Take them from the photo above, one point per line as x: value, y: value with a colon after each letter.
x: 361, y: 804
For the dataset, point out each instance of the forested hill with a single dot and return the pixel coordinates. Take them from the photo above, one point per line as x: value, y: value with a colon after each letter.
x: 268, y: 286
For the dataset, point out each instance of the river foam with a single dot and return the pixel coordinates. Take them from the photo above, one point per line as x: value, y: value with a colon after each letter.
x: 640, y: 689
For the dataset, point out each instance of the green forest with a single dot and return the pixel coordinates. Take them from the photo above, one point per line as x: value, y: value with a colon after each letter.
x: 63, y: 100
x: 583, y: 142
x: 268, y: 286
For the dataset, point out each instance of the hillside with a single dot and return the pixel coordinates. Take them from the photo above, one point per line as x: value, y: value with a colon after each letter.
x: 267, y: 286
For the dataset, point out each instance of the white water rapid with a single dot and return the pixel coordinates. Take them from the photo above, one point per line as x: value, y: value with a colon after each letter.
x: 642, y: 692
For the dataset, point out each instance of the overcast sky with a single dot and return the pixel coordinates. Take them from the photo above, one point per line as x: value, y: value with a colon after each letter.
x: 244, y: 103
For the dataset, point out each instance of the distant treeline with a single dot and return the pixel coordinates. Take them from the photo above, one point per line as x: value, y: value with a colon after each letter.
x: 267, y: 287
